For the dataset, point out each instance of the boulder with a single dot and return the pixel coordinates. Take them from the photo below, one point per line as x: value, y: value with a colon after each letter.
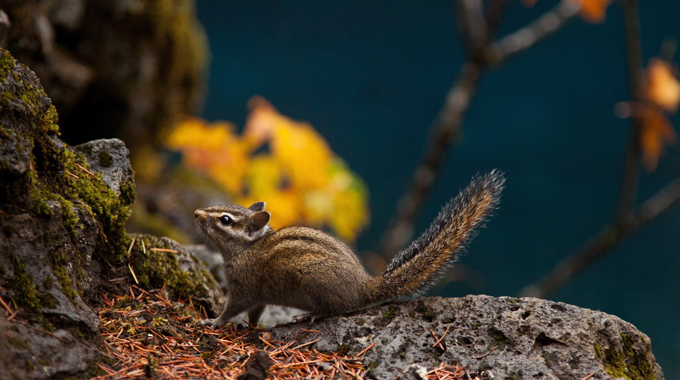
x: 63, y: 240
x: 499, y: 338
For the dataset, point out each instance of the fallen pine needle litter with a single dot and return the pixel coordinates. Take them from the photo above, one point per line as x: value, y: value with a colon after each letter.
x: 146, y: 335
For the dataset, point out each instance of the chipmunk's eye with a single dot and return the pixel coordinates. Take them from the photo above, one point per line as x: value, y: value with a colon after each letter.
x: 226, y: 220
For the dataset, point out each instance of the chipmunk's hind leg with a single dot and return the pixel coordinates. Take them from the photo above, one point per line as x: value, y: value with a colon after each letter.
x: 255, y: 313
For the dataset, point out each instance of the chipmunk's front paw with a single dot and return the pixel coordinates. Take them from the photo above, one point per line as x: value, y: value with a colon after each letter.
x: 305, y: 317
x: 214, y: 323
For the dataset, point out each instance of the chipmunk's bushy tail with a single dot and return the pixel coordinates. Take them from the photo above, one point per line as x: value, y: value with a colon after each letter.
x: 417, y: 267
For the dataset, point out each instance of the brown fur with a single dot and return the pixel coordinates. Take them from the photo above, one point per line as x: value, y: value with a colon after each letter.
x: 308, y: 269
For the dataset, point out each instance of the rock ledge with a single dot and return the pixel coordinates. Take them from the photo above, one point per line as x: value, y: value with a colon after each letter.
x: 507, y: 338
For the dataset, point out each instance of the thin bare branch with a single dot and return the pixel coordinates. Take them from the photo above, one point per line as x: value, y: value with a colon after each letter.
x: 447, y: 127
x: 631, y: 171
x: 609, y: 236
x: 494, y: 15
x: 472, y: 25
x: 529, y: 35
x: 445, y: 131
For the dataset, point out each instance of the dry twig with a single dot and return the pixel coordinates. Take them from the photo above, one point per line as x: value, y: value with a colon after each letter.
x: 151, y: 336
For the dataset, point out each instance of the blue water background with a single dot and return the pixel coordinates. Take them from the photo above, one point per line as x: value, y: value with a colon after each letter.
x: 371, y: 76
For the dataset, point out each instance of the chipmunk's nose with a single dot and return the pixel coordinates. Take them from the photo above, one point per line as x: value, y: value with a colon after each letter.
x: 198, y: 213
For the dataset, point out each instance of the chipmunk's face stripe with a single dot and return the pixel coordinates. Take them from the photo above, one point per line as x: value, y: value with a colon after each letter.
x: 225, y: 216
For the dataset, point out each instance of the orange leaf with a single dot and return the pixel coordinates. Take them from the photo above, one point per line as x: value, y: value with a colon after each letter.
x: 594, y: 10
x: 656, y: 134
x: 662, y: 88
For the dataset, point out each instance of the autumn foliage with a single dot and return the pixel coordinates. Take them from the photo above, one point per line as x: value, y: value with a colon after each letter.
x: 659, y: 98
x: 278, y: 160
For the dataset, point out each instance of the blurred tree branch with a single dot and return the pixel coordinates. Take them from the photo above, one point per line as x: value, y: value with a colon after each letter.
x: 631, y: 171
x: 475, y: 29
x: 628, y: 220
x: 529, y: 35
x: 604, y: 241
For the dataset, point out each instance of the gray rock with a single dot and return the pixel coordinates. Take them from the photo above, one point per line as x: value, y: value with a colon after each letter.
x: 15, y: 155
x: 506, y: 338
x: 111, y: 158
x: 26, y: 353
x: 62, y: 235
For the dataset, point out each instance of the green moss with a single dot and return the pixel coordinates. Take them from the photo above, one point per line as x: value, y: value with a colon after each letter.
x: 18, y: 343
x: 69, y: 217
x: 427, y: 314
x: 389, y: 313
x: 22, y: 284
x: 50, y: 121
x: 47, y: 283
x: 65, y: 281
x: 127, y: 192
x: 47, y: 300
x: 154, y: 269
x: 598, y: 350
x: 499, y: 337
x: 6, y: 63
x: 628, y: 363
x: 105, y: 158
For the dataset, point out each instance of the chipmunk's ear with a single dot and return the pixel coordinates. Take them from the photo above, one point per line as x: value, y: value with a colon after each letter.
x: 258, y: 221
x: 257, y: 206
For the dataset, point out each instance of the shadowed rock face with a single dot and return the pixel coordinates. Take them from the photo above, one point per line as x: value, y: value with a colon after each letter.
x: 511, y: 338
x: 130, y: 68
x: 62, y: 237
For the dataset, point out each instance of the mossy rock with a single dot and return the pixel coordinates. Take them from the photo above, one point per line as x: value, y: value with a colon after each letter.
x: 164, y: 263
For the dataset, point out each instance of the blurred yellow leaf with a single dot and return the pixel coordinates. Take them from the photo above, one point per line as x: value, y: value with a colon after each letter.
x: 300, y: 150
x: 284, y: 206
x: 263, y: 176
x: 662, y: 86
x: 298, y: 175
x: 656, y: 134
x: 214, y: 149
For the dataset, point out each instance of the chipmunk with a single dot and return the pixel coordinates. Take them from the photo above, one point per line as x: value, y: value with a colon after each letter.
x: 311, y: 270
